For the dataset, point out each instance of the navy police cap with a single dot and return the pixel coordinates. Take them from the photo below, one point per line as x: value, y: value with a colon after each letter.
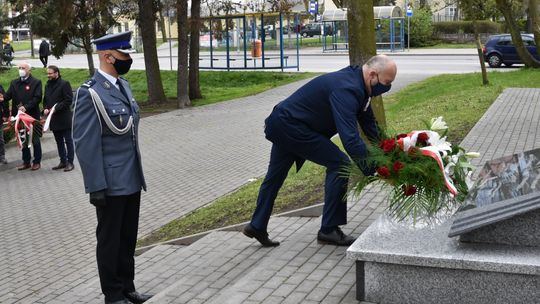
x: 118, y: 42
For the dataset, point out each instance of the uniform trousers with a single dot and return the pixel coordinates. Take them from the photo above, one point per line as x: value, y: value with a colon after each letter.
x: 118, y: 222
x: 294, y: 141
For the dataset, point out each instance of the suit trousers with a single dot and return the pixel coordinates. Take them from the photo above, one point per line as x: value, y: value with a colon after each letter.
x: 290, y: 144
x: 118, y: 222
x: 2, y: 145
x: 64, y: 144
x: 36, y: 145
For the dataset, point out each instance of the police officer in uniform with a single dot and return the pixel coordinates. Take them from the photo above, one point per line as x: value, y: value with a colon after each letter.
x: 300, y: 128
x: 105, y: 128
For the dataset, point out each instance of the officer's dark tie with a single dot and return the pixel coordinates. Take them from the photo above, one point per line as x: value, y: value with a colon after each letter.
x: 122, y: 90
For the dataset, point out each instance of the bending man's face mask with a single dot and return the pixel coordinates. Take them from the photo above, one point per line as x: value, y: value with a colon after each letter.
x: 379, y: 88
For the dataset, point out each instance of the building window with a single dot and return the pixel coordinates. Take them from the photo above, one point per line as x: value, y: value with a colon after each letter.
x: 126, y: 26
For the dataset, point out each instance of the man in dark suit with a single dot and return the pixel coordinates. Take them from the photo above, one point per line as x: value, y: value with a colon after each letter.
x: 300, y: 128
x: 105, y: 132
x: 58, y: 94
x: 25, y: 95
x: 4, y: 116
x: 44, y: 52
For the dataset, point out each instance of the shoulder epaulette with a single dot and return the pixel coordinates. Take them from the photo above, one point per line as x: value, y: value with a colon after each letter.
x: 89, y: 83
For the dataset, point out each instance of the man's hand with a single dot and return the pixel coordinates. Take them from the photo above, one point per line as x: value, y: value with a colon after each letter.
x: 1, y: 97
x: 98, y: 198
x: 22, y: 109
x: 46, y: 111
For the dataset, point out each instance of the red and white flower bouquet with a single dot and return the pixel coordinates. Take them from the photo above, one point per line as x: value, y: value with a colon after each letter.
x: 426, y: 173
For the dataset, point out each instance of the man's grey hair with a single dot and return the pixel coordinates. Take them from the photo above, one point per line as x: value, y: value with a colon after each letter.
x: 378, y: 63
x: 27, y: 64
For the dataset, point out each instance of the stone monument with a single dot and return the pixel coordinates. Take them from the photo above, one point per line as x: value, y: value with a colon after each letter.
x: 488, y: 252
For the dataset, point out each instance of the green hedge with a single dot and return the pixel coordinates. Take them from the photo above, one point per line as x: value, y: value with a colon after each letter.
x: 459, y: 27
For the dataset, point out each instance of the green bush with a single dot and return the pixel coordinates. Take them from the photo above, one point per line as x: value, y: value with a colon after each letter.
x: 421, y: 28
x: 459, y: 27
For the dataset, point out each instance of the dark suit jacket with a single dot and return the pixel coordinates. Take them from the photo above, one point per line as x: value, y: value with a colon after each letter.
x: 4, y: 108
x: 332, y: 103
x: 26, y: 93
x: 59, y: 92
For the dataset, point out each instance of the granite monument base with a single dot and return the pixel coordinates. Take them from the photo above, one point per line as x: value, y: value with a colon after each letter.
x: 400, y: 265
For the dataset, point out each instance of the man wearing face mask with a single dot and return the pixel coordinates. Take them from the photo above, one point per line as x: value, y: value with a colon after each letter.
x: 25, y: 95
x: 105, y: 132
x: 300, y: 128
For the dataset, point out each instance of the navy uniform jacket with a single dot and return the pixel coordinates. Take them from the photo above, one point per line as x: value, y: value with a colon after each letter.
x: 108, y: 161
x: 332, y: 103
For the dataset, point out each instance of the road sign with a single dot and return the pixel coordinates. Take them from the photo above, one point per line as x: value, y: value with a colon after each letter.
x: 409, y: 12
x: 313, y: 7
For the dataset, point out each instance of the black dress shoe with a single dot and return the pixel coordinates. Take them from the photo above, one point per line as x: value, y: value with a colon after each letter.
x: 261, y: 236
x: 137, y: 298
x: 336, y: 237
x: 69, y: 167
x: 59, y: 166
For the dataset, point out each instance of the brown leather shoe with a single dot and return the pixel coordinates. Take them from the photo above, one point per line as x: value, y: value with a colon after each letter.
x: 36, y: 167
x: 59, y: 166
x: 24, y: 167
x: 69, y: 167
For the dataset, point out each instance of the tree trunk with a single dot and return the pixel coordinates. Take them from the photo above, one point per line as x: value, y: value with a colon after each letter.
x: 182, y: 89
x: 162, y: 22
x: 485, y: 80
x: 361, y: 29
x: 506, y: 9
x: 535, y: 23
x: 194, y: 87
x: 89, y: 55
x: 147, y: 19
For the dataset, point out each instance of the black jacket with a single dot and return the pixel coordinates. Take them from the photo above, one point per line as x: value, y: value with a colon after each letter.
x: 44, y: 49
x: 4, y: 109
x: 26, y: 93
x: 59, y: 92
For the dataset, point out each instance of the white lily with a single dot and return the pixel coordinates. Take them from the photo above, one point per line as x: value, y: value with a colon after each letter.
x: 472, y: 154
x: 438, y: 124
x: 439, y: 143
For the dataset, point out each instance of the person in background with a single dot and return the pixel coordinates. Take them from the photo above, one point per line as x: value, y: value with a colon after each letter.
x: 44, y: 52
x: 25, y: 95
x: 58, y: 94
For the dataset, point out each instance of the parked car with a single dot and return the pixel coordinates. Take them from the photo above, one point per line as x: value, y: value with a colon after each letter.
x: 313, y: 29
x: 500, y: 50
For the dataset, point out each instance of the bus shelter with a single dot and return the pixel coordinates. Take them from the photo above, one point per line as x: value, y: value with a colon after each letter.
x: 252, y: 41
x: 389, y: 27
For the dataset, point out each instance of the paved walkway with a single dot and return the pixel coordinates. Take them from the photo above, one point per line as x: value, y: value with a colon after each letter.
x: 47, y: 225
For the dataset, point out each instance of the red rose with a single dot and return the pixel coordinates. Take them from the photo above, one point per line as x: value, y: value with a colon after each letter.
x: 402, y: 135
x: 409, y: 189
x: 398, y: 166
x: 383, y: 171
x: 388, y: 145
x: 422, y: 137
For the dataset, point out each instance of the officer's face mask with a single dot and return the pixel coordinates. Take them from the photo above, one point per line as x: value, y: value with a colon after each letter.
x: 122, y: 66
x: 379, y: 88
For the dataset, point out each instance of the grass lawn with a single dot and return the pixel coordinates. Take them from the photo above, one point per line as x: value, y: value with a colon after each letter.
x: 20, y: 46
x: 216, y: 86
x: 461, y: 99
